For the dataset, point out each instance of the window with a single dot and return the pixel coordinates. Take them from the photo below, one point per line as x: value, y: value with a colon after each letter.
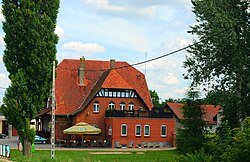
x: 111, y: 105
x: 122, y: 94
x: 131, y: 107
x: 146, y: 130
x: 110, y: 130
x: 138, y: 130
x: 122, y: 106
x: 124, y: 130
x: 106, y: 93
x: 163, y: 130
x: 94, y: 125
x: 96, y: 107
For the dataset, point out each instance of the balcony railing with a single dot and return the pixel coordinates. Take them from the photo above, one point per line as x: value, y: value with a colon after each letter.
x: 139, y: 113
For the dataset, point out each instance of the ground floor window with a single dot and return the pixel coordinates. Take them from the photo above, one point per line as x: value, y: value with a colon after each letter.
x: 110, y: 130
x: 163, y: 130
x: 124, y: 130
x: 146, y: 130
x: 138, y: 130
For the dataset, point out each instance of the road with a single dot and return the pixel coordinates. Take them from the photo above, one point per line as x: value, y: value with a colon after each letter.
x: 12, y: 142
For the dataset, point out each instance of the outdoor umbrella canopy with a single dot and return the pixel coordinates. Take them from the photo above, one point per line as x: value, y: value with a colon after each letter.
x: 82, y: 128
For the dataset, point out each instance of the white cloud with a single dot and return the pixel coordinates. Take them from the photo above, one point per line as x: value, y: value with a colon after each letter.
x: 59, y: 31
x: 1, y: 59
x: 132, y: 8
x: 181, y: 91
x: 1, y: 15
x: 171, y: 79
x: 2, y: 43
x: 104, y: 6
x: 2, y: 76
x: 4, y: 80
x: 84, y: 47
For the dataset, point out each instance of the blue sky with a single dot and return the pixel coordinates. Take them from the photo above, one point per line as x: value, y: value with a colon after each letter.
x: 125, y: 30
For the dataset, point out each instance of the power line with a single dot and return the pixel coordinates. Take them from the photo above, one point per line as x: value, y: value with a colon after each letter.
x: 3, y: 88
x: 162, y: 56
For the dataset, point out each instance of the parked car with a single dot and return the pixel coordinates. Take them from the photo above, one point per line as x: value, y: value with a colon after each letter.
x: 39, y: 139
x: 3, y: 136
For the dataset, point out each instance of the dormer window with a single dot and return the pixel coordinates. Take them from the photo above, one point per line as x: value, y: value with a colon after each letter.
x: 131, y: 106
x: 96, y: 107
x: 122, y: 106
x: 111, y: 105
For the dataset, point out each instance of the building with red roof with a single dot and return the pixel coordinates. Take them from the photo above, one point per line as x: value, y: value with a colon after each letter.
x: 110, y: 95
x: 211, y: 117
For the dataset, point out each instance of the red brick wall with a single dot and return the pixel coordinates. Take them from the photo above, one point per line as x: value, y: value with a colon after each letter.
x: 155, y: 130
x: 88, y: 116
x: 62, y: 123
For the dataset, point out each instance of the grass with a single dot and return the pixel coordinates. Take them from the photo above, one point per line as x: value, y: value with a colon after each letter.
x: 85, y: 156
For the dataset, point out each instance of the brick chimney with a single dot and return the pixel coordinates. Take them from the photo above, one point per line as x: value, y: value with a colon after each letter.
x: 112, y: 64
x: 81, y: 71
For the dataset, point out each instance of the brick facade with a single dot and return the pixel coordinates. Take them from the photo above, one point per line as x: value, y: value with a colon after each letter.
x: 155, y: 131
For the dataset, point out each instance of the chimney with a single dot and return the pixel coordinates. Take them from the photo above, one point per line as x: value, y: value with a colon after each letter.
x: 81, y: 71
x: 112, y: 64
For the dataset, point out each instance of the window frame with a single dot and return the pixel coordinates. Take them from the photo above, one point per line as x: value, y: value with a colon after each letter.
x: 125, y: 130
x: 122, y: 104
x: 131, y: 104
x: 147, y: 135
x: 137, y: 125
x: 110, y: 130
x: 96, y: 108
x: 112, y: 104
x: 164, y: 135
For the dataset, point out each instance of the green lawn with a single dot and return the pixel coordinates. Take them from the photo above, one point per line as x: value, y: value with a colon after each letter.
x: 82, y: 156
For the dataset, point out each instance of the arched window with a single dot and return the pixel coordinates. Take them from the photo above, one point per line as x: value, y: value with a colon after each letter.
x: 131, y: 106
x: 96, y: 107
x: 122, y: 106
x: 111, y: 105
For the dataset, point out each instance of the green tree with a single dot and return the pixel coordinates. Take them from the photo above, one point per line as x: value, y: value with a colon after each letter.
x: 191, y: 137
x: 223, y: 59
x: 30, y: 50
x: 155, y: 99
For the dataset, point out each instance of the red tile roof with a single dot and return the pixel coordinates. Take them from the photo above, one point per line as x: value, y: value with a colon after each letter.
x: 70, y: 96
x: 209, y: 110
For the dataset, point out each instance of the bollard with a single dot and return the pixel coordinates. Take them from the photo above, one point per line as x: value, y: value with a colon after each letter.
x: 33, y: 148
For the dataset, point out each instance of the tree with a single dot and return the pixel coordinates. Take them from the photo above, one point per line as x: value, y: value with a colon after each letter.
x: 191, y: 137
x: 30, y: 50
x: 155, y: 99
x: 222, y: 58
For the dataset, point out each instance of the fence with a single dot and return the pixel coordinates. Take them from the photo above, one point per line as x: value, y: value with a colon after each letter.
x: 4, y: 150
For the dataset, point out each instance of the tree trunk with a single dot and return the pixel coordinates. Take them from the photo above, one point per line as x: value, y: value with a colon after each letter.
x: 27, y: 148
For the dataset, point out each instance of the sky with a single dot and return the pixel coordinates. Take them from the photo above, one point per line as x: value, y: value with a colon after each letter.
x: 125, y: 30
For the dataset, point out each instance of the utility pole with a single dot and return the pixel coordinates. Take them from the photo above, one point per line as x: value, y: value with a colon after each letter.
x: 53, y: 114
x: 145, y: 64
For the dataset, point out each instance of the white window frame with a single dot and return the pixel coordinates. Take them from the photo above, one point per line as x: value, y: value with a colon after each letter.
x: 96, y: 107
x: 147, y: 125
x: 122, y: 106
x: 126, y: 130
x: 137, y: 125
x: 131, y: 107
x: 112, y: 105
x: 164, y: 135
x: 110, y: 130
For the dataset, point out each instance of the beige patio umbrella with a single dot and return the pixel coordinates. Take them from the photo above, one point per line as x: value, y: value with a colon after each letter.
x: 82, y: 128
